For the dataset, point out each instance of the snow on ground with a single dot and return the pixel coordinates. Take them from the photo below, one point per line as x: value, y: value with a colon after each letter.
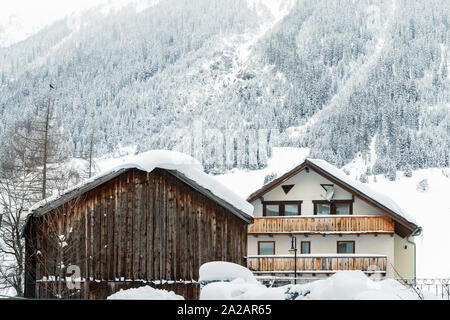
x: 344, y: 285
x: 431, y: 210
x: 145, y: 293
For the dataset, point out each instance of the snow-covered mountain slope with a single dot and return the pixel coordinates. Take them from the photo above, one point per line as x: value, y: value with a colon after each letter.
x: 322, y: 74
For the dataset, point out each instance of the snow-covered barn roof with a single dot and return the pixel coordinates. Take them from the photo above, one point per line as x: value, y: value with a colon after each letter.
x: 181, y: 165
x: 322, y: 167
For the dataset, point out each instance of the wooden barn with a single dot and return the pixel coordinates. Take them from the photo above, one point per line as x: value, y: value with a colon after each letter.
x: 153, y: 222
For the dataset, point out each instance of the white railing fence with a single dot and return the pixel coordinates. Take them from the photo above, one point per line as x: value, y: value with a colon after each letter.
x: 438, y: 286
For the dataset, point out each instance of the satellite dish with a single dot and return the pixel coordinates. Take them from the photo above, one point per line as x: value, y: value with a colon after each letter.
x: 330, y: 193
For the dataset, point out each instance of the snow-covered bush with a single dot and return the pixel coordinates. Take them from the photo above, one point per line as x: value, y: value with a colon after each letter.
x: 392, y: 175
x: 408, y: 171
x: 270, y: 177
x: 363, y: 178
x: 422, y: 186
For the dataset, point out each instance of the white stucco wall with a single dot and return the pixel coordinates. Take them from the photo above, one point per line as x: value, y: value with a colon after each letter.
x: 364, y: 244
x: 404, y: 257
x: 307, y: 188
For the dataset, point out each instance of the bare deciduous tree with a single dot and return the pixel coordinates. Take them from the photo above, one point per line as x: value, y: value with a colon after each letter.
x: 44, y: 138
x: 31, y: 164
x: 91, y: 154
x: 18, y: 189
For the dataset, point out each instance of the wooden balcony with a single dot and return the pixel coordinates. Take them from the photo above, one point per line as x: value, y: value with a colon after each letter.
x: 325, y: 264
x: 322, y: 225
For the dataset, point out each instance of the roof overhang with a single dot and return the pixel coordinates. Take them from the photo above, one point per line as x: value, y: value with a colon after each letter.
x: 210, y: 195
x: 76, y: 192
x: 403, y: 227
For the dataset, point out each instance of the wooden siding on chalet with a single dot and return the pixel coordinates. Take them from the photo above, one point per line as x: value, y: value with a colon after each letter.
x: 316, y: 264
x: 139, y: 228
x: 325, y: 225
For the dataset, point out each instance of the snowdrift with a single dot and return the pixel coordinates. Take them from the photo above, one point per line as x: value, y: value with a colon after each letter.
x: 344, y: 285
x: 144, y: 293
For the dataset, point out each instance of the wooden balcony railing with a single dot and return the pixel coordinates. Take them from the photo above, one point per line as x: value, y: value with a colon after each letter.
x: 322, y: 224
x: 317, y: 263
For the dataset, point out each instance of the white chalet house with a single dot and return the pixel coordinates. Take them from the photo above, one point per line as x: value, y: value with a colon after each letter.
x: 338, y: 224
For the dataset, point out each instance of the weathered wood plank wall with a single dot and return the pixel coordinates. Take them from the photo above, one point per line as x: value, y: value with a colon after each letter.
x: 135, y: 228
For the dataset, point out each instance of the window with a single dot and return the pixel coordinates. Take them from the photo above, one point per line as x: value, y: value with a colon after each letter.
x: 281, y: 208
x: 346, y: 247
x: 340, y: 207
x: 272, y: 210
x: 266, y: 247
x: 291, y: 209
x: 343, y: 208
x: 305, y: 247
x: 323, y: 208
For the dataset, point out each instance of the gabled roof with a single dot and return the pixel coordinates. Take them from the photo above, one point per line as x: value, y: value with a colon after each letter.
x: 405, y: 224
x: 178, y: 164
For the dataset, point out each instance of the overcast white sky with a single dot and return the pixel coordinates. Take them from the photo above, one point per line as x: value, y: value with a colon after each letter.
x: 43, y: 9
x: 21, y: 18
x: 47, y: 11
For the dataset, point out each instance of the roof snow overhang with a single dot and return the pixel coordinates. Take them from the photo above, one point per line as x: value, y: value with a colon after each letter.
x: 54, y: 203
x: 403, y: 226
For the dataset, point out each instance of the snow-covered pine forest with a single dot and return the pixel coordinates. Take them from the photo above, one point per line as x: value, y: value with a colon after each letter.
x: 332, y: 76
x: 361, y: 84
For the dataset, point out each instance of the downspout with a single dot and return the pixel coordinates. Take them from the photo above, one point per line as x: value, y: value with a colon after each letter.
x: 415, y: 233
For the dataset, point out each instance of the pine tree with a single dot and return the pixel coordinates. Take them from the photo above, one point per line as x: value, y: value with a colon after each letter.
x: 408, y: 171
